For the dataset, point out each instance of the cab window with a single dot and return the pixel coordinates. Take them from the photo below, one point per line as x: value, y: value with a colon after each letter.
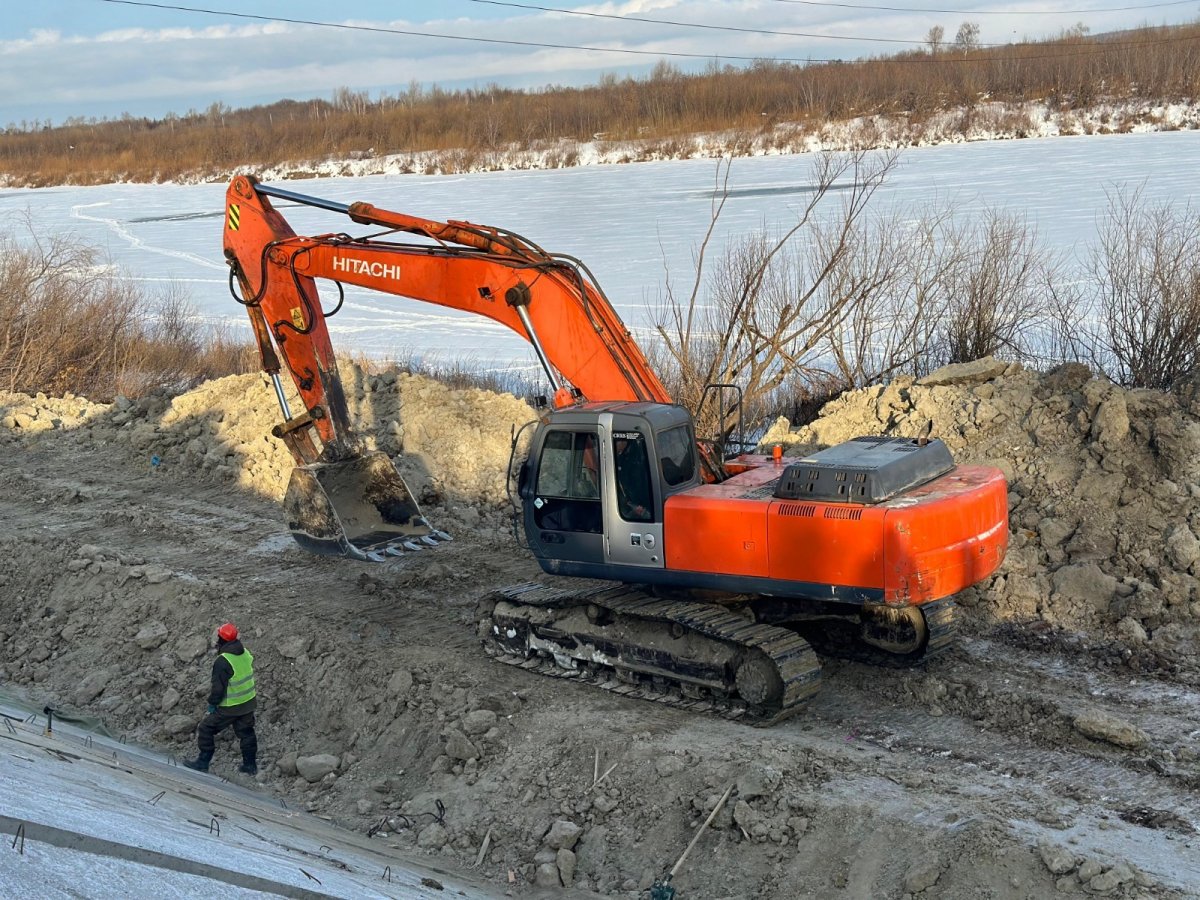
x: 635, y: 498
x: 677, y: 455
x: 568, y: 483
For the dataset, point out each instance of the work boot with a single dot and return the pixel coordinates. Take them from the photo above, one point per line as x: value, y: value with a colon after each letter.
x: 200, y: 763
x: 248, y: 768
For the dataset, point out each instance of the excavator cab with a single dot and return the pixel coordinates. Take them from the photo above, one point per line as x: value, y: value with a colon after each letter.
x: 595, y: 482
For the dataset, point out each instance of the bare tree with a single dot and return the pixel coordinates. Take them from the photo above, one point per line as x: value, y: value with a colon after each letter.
x: 967, y: 38
x: 770, y: 304
x: 935, y: 37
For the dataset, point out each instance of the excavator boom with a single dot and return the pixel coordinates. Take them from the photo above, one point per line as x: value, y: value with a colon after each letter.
x: 340, y: 499
x: 472, y: 268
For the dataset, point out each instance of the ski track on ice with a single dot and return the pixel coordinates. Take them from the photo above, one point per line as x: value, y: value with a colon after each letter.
x: 117, y: 228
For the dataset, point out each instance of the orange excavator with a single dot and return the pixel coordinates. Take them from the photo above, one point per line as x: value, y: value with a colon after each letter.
x: 700, y: 580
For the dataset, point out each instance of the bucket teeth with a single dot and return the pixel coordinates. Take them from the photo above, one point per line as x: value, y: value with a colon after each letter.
x: 441, y: 535
x: 393, y: 550
x: 375, y: 556
x: 410, y: 545
x: 428, y: 541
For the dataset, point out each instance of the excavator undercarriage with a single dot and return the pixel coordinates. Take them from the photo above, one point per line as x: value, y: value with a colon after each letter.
x: 700, y: 656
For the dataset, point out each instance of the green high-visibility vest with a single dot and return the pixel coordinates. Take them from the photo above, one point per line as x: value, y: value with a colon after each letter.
x: 241, y: 682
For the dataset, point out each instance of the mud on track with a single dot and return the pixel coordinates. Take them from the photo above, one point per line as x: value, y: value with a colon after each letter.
x: 1054, y: 751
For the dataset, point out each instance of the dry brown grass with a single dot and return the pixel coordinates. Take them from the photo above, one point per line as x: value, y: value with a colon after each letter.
x: 70, y: 324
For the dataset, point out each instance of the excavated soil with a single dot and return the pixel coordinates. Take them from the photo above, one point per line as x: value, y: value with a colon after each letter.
x: 1054, y: 751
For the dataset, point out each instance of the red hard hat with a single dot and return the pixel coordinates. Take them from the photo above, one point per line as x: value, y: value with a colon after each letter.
x: 227, y: 632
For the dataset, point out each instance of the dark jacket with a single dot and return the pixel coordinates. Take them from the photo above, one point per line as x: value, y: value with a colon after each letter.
x: 222, y: 672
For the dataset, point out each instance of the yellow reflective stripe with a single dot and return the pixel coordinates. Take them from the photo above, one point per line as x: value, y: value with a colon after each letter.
x: 246, y: 692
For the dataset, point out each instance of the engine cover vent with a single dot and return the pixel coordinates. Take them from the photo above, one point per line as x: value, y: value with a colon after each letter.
x: 804, y: 510
x: 864, y: 470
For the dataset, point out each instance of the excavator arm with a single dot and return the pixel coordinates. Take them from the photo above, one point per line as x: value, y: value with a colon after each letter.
x: 550, y: 300
x: 341, y: 499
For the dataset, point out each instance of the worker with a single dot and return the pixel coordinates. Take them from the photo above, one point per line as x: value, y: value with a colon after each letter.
x: 230, y: 702
x: 634, y: 499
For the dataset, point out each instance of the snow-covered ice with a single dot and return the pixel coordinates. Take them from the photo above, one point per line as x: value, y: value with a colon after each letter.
x: 101, y: 791
x: 630, y: 223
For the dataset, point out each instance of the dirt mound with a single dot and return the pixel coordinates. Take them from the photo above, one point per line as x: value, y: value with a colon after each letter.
x: 1056, y: 750
x: 451, y: 445
x: 1104, y: 493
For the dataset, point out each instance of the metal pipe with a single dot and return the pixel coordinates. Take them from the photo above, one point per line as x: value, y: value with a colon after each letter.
x: 523, y: 313
x: 307, y: 200
x: 281, y: 397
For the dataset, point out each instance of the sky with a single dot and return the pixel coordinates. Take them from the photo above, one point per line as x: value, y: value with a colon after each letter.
x: 104, y: 58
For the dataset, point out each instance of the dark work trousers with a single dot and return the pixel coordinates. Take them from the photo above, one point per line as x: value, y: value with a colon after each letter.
x: 243, y: 726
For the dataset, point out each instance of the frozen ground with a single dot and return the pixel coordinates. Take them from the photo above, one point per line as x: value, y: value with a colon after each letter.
x: 1055, y: 751
x: 630, y: 223
x: 104, y: 819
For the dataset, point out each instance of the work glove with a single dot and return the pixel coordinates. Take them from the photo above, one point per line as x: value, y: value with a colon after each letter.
x: 211, y: 709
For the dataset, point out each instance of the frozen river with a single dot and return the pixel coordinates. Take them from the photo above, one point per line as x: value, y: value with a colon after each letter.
x: 630, y: 224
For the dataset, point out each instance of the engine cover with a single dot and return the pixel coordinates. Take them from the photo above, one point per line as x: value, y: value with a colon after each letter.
x: 864, y: 470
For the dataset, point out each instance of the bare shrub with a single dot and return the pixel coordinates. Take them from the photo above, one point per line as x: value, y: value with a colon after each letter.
x: 925, y: 289
x: 760, y: 315
x: 71, y: 324
x: 844, y: 300
x: 1141, y: 323
x: 170, y: 347
x: 903, y: 289
x: 995, y: 284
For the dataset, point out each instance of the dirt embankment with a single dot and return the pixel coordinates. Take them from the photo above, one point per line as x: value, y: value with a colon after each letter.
x: 1056, y: 750
x: 1104, y: 495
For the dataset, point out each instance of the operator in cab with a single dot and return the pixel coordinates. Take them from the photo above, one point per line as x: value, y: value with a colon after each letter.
x: 634, y: 498
x: 231, y: 703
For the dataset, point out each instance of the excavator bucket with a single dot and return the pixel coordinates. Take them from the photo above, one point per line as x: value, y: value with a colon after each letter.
x: 359, y: 507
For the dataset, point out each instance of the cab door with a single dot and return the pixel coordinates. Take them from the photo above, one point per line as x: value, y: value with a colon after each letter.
x: 564, y: 516
x: 632, y: 499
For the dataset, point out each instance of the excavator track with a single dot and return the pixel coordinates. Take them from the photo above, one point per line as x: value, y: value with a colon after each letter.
x: 696, y: 656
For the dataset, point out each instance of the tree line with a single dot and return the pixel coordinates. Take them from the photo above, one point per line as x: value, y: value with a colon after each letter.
x: 1070, y: 72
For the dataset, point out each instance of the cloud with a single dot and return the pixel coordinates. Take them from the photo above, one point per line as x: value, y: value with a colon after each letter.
x: 153, y: 71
